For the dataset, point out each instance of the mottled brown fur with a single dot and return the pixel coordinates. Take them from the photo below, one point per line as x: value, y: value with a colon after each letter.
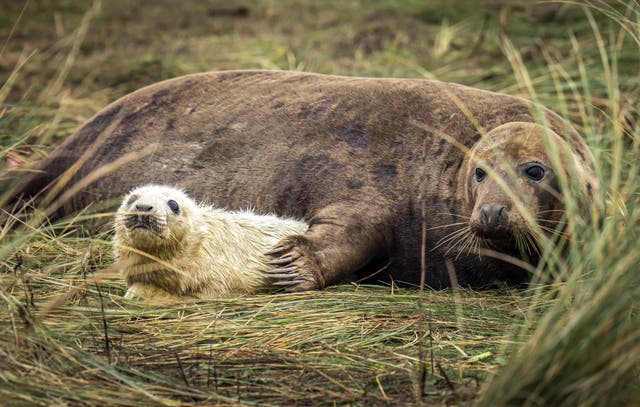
x: 351, y: 156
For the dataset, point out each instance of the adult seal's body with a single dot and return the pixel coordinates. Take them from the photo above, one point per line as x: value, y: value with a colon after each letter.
x: 357, y: 158
x: 169, y: 247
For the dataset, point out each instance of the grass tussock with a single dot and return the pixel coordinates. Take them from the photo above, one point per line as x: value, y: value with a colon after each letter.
x: 573, y: 340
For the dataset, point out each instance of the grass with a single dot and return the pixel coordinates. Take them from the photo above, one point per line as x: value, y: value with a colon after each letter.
x: 360, y: 347
x: 573, y: 341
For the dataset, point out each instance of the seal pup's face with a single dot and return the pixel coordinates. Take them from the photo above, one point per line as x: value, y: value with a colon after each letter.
x: 154, y: 219
x: 512, y: 182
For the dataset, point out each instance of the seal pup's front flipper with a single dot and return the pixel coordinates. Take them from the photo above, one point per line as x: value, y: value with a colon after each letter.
x: 340, y: 241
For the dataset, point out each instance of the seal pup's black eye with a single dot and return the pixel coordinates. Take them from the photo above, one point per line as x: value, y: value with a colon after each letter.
x: 173, y: 205
x: 535, y: 172
x: 480, y: 174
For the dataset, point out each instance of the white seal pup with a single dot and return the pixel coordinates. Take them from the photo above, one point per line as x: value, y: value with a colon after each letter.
x: 169, y: 246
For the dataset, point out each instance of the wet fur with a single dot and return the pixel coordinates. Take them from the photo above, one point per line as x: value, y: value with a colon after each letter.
x: 354, y: 157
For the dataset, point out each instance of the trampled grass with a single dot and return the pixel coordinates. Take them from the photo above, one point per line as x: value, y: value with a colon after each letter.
x: 574, y: 340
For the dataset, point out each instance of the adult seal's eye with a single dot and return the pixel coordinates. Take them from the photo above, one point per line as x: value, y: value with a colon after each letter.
x: 173, y: 205
x: 535, y: 172
x: 480, y: 174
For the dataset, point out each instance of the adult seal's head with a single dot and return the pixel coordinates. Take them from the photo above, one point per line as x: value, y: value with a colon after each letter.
x: 512, y: 181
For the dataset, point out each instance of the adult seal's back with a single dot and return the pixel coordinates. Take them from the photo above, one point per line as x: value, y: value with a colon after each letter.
x: 357, y: 158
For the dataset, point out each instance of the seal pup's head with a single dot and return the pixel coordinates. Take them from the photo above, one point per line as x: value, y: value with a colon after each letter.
x: 155, y: 219
x: 513, y: 177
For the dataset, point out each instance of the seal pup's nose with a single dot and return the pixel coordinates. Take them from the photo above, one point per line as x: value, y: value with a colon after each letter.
x: 144, y: 208
x: 494, y: 215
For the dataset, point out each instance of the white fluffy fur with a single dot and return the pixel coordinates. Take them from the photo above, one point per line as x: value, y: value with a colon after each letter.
x: 201, y: 252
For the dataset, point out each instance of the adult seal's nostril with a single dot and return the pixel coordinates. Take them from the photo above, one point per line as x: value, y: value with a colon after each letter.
x: 484, y: 215
x: 494, y: 215
x: 144, y: 208
x: 503, y: 213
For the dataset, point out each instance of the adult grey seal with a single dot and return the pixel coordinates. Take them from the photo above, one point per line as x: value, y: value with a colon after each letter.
x: 356, y: 158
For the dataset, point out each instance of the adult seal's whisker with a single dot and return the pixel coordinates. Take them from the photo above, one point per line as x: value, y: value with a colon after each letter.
x: 447, y: 226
